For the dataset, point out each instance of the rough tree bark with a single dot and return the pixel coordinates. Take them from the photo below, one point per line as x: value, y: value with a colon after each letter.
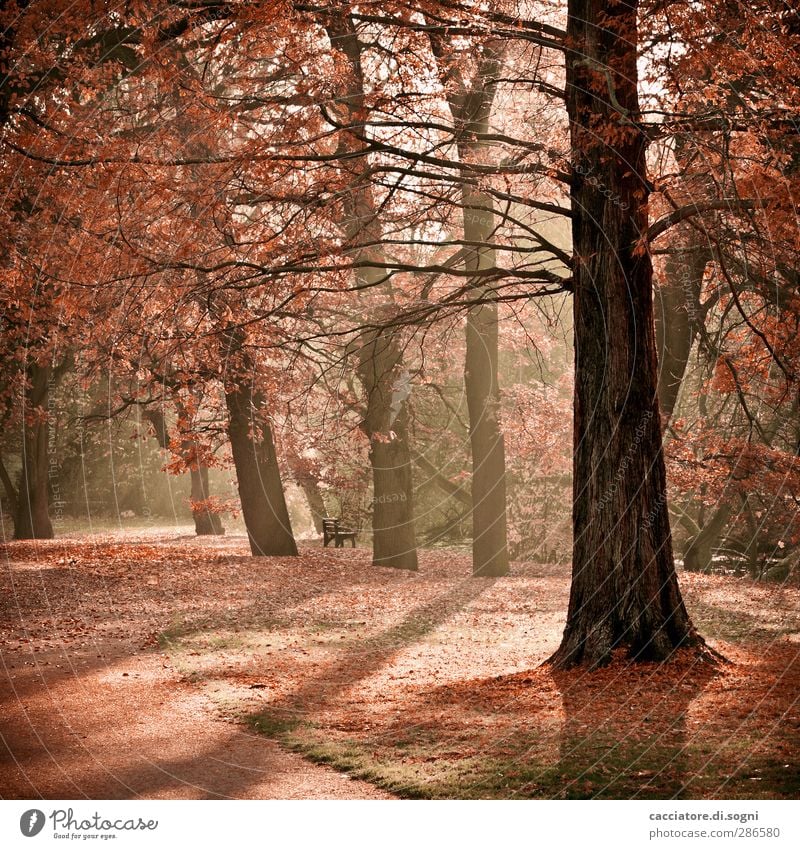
x: 32, y: 518
x: 260, y: 489
x: 624, y: 590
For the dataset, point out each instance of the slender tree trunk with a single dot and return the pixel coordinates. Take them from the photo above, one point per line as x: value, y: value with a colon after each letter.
x: 306, y: 478
x: 624, y: 590
x: 159, y: 425
x: 206, y: 523
x: 470, y: 104
x: 32, y: 519
x: 10, y: 489
x: 316, y: 503
x: 678, y: 316
x: 379, y: 354
x: 314, y: 498
x: 709, y: 533
x: 30, y: 500
x: 386, y: 425
x: 700, y: 547
x: 481, y: 380
x: 260, y: 489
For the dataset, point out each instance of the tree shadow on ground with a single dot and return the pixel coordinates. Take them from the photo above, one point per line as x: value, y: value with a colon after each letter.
x: 624, y: 732
x: 357, y: 663
x: 739, y: 626
x: 745, y: 731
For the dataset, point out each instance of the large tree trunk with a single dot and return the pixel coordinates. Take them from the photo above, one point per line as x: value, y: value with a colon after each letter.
x: 32, y: 519
x: 260, y: 490
x: 624, y: 589
x: 386, y: 425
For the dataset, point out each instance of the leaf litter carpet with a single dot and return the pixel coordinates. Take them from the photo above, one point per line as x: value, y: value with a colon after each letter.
x: 159, y: 665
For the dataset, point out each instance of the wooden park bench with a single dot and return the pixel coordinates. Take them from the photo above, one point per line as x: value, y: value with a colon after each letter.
x: 332, y: 530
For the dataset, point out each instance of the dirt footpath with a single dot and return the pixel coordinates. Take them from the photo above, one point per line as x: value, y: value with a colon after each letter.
x: 85, y: 716
x: 131, y: 729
